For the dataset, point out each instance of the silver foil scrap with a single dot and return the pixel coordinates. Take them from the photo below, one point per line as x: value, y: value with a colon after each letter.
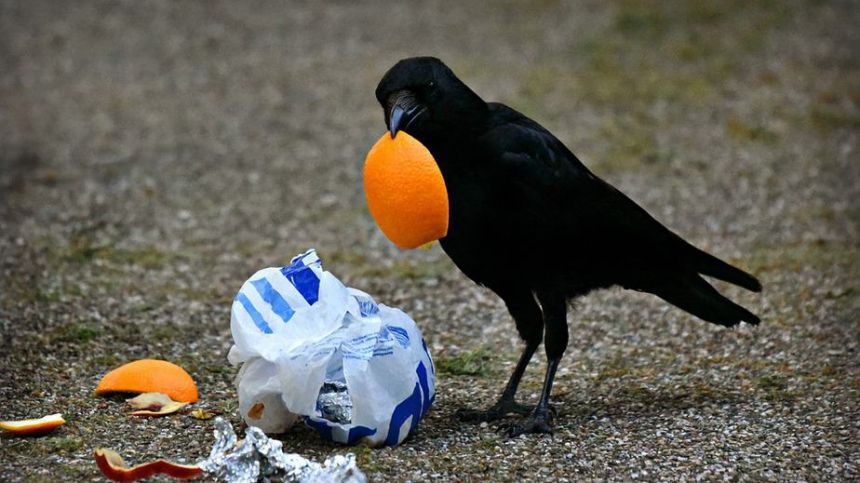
x: 260, y: 458
x: 334, y: 403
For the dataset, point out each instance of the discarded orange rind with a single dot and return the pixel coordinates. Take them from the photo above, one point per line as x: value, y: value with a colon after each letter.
x: 154, y: 404
x: 32, y: 427
x: 150, y: 375
x: 113, y: 467
x: 405, y: 190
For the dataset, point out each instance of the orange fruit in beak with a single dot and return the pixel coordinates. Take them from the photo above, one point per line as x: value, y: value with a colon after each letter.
x: 150, y: 375
x: 405, y: 191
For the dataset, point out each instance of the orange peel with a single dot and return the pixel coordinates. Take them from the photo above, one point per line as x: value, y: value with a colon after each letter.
x: 203, y: 414
x: 150, y: 375
x: 405, y: 191
x: 32, y: 427
x: 113, y: 467
x: 154, y: 404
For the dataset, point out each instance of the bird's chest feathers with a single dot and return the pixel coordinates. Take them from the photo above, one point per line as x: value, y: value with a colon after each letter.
x: 484, y: 205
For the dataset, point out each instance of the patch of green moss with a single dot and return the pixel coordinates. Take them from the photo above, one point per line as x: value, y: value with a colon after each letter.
x: 63, y: 472
x: 616, y: 77
x: 489, y: 443
x: 612, y: 373
x: 106, y: 361
x: 75, y: 333
x: 831, y: 116
x: 64, y: 443
x: 366, y: 458
x: 472, y: 363
x: 640, y: 19
x: 21, y: 291
x: 146, y: 257
x: 539, y: 81
x: 636, y: 392
x: 820, y: 254
x: 83, y: 248
x: 165, y: 332
x: 706, y: 39
x: 653, y: 20
x: 774, y: 387
x: 741, y: 130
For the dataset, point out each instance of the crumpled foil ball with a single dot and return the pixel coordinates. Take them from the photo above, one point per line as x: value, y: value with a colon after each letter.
x: 259, y: 458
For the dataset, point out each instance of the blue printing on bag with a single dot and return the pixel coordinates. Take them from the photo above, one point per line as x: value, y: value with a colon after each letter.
x: 255, y: 315
x: 416, y: 406
x: 300, y: 273
x: 400, y: 335
x: 366, y: 306
x: 271, y: 296
x: 427, y: 351
x: 355, y: 433
x: 303, y: 277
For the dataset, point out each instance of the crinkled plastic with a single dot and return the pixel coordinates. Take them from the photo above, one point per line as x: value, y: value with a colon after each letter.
x: 302, y: 336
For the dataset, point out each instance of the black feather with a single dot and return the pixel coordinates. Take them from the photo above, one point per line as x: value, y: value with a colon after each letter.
x: 532, y: 223
x: 527, y: 215
x: 699, y: 298
x: 709, y: 265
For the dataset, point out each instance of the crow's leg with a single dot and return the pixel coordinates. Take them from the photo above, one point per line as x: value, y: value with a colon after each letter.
x: 554, y: 306
x: 527, y: 315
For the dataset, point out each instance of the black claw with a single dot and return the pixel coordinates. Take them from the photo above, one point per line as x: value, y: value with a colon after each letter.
x: 495, y: 412
x: 529, y: 427
x: 477, y: 415
x: 535, y: 423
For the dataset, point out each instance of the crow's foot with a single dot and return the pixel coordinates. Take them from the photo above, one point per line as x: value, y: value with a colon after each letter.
x: 497, y: 411
x: 534, y: 423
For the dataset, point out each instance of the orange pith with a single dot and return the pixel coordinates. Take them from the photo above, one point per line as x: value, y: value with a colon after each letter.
x: 33, y: 426
x: 150, y: 375
x: 405, y: 191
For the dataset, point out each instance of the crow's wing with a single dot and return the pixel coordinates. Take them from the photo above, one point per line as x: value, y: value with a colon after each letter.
x: 588, y: 213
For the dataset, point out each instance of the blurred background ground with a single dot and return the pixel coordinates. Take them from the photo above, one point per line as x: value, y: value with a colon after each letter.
x: 155, y: 154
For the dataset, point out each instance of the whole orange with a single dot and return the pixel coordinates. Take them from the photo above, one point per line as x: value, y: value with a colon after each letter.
x: 405, y: 191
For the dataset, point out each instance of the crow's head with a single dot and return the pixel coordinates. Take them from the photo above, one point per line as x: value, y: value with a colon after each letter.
x: 421, y: 96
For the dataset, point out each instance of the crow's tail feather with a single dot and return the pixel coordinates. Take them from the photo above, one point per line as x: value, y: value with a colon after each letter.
x: 696, y: 296
x: 707, y: 264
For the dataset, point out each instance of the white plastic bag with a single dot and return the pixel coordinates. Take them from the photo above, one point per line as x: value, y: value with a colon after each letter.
x: 313, y: 349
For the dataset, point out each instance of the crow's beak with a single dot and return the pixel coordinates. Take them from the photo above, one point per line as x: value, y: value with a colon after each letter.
x: 396, y: 117
x: 404, y: 109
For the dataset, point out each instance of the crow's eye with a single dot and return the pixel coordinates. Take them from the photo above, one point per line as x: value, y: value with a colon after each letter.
x: 431, y: 84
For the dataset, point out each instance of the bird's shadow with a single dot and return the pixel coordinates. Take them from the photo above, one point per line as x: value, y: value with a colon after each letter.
x: 638, y: 401
x: 572, y: 409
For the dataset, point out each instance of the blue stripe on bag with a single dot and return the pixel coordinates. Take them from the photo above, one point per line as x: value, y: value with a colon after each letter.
x: 427, y: 351
x: 304, y: 279
x: 409, y: 407
x: 271, y: 296
x: 366, y: 306
x: 255, y: 315
x: 353, y: 436
x: 400, y: 334
x: 415, y: 406
x: 425, y: 388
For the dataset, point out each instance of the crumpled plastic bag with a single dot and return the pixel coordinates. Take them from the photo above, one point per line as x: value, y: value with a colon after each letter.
x: 315, y: 350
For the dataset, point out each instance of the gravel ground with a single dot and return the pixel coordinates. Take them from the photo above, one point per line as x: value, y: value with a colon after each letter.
x: 155, y: 154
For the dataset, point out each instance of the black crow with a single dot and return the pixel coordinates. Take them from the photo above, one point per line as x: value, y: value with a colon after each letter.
x: 529, y: 221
